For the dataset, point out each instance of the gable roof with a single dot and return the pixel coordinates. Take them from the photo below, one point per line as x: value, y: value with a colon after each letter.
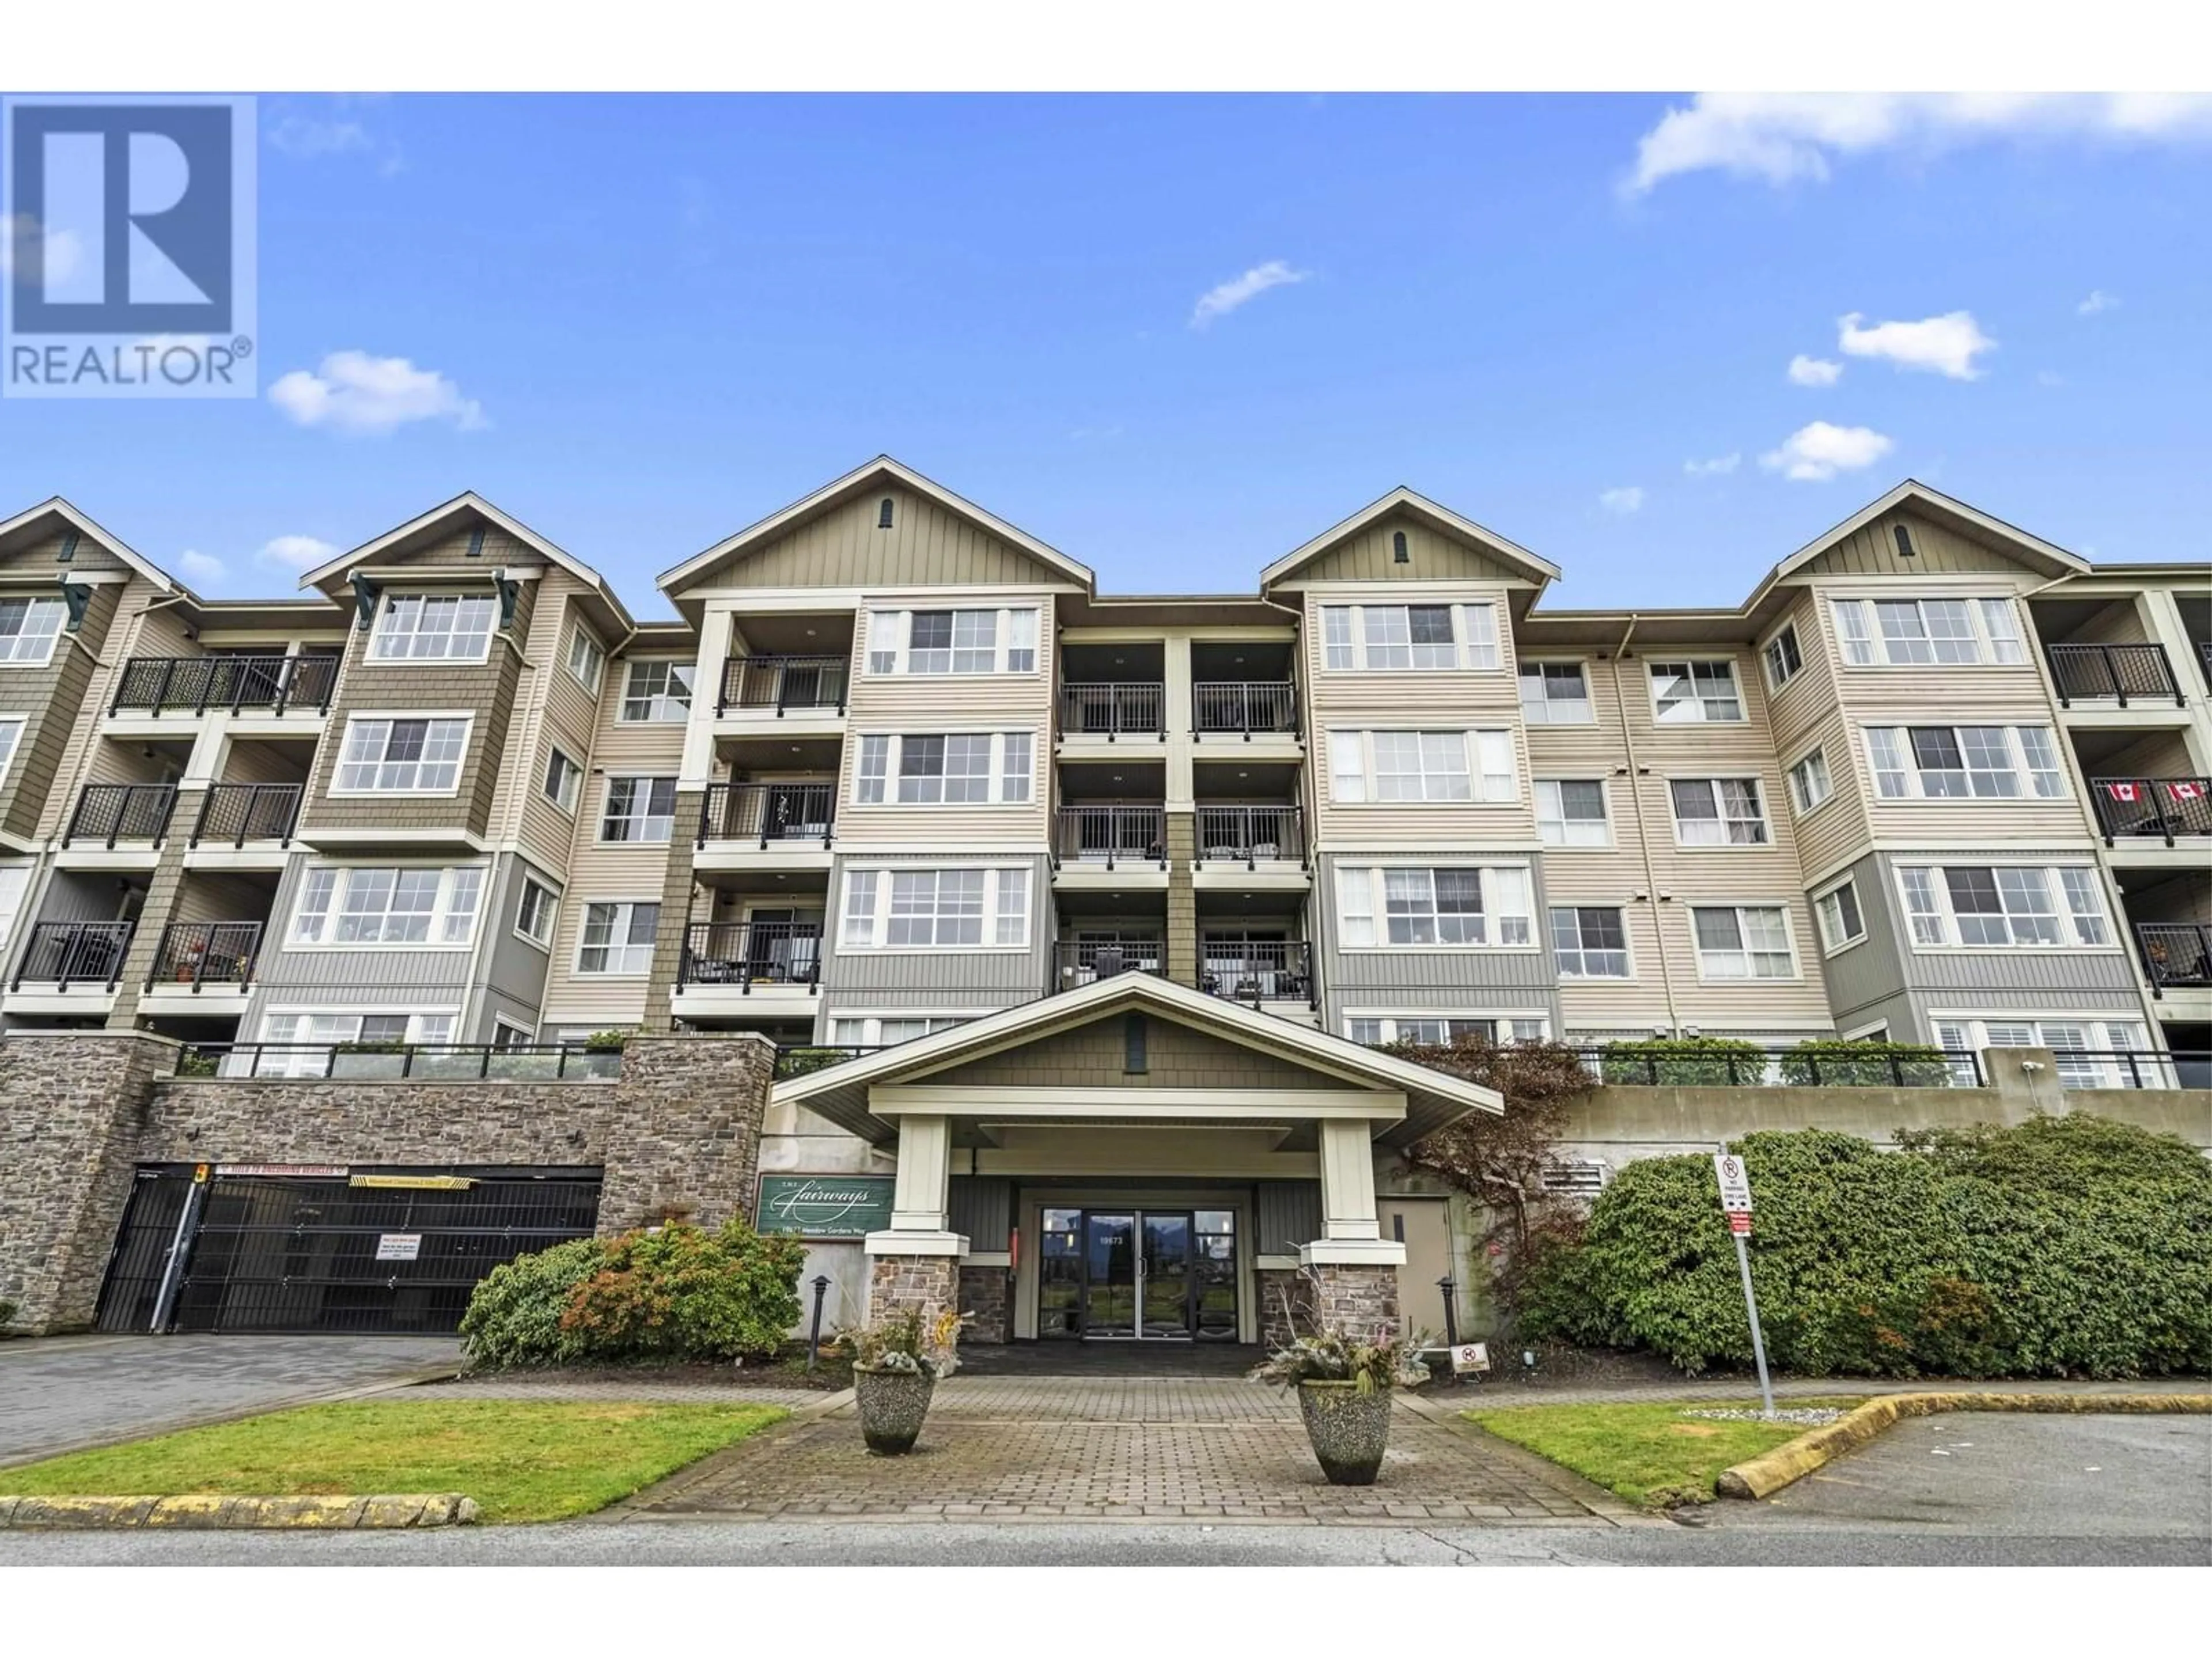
x: 1433, y: 1099
x: 1401, y: 499
x: 55, y: 506
x: 859, y: 482
x: 325, y: 576
x: 1947, y: 510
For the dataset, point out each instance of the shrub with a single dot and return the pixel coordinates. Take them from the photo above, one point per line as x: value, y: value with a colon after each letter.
x: 1856, y: 1062
x: 1684, y: 1062
x: 513, y: 1316
x: 7, y: 1312
x: 905, y: 1341
x: 680, y: 1292
x: 2063, y: 1247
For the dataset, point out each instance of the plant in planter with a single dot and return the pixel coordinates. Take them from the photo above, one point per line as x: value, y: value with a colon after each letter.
x: 1344, y: 1383
x: 896, y: 1364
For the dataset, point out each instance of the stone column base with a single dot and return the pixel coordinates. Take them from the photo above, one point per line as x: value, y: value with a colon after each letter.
x: 926, y: 1283
x: 1355, y: 1300
x: 986, y: 1293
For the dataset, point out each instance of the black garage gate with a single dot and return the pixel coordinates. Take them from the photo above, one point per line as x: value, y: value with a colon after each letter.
x: 254, y: 1246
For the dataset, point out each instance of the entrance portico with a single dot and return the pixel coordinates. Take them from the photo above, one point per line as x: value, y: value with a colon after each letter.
x: 1135, y: 1161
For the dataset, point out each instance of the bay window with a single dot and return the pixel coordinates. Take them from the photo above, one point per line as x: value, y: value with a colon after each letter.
x: 1387, y: 638
x: 2004, y: 906
x: 434, y: 627
x: 354, y: 906
x: 958, y: 908
x: 1393, y: 905
x: 1421, y: 766
x: 1914, y: 633
x: 1963, y: 762
x: 954, y: 768
x: 994, y: 640
x: 396, y: 756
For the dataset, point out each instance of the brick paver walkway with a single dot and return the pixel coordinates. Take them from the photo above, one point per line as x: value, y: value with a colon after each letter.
x: 1079, y: 1448
x: 524, y: 1386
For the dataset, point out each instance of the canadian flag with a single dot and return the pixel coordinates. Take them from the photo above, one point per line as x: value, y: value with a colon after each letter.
x: 2188, y: 789
x: 2121, y: 791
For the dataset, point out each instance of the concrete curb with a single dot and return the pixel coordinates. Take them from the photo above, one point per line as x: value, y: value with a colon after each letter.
x: 207, y: 1512
x: 1770, y: 1472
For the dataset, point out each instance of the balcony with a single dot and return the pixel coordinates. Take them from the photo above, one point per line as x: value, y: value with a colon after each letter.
x: 111, y: 812
x: 1113, y: 710
x: 2138, y: 809
x: 85, y: 955
x: 237, y: 813
x: 193, y: 685
x: 1241, y: 707
x: 778, y: 687
x: 195, y: 956
x: 2177, y: 955
x: 1258, y: 971
x: 1077, y: 963
x: 2124, y: 674
x: 1106, y: 838
x: 770, y: 814
x: 1251, y: 835
x: 746, y: 958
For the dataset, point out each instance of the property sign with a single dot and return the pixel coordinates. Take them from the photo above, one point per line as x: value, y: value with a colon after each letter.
x: 825, y: 1206
x: 434, y: 1183
x: 399, y: 1246
x: 1470, y: 1356
x: 1735, y: 1183
x: 325, y: 1170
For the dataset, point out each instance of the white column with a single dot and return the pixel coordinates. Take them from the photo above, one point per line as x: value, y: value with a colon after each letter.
x: 1175, y: 715
x: 696, y: 771
x: 922, y: 1191
x: 1350, y: 1233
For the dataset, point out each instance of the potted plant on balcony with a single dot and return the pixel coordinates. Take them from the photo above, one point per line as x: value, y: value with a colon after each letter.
x: 897, y: 1361
x: 1345, y: 1381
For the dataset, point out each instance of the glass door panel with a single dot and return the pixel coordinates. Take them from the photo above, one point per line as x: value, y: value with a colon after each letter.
x: 1060, y: 1274
x: 1213, y: 1274
x: 1165, y: 1282
x: 1110, y: 1256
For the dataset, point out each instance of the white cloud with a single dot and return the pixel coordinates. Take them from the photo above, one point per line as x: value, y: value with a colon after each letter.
x: 1948, y: 345
x: 1820, y: 450
x: 1220, y: 301
x: 357, y: 392
x: 2098, y: 300
x: 1720, y: 465
x: 1814, y: 371
x: 1782, y: 137
x: 297, y: 553
x: 1621, y: 501
x: 306, y: 138
x: 200, y: 567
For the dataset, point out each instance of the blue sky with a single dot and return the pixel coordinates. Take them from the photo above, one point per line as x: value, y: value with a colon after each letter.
x: 639, y: 323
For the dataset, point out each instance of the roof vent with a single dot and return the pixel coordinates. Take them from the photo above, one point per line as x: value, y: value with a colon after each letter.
x: 1904, y: 549
x: 1398, y: 553
x: 884, y: 514
x: 476, y: 542
x: 68, y: 548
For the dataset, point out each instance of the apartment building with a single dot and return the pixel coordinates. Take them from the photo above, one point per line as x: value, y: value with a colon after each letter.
x: 899, y: 780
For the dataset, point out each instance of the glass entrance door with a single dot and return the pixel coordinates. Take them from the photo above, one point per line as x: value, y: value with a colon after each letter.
x: 1163, y: 1275
x: 1109, y: 1272
x: 1131, y: 1274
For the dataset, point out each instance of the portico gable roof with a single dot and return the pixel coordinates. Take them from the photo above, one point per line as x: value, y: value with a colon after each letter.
x: 1430, y: 1099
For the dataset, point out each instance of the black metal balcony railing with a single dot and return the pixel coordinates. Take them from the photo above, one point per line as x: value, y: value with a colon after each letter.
x: 769, y: 812
x: 74, y: 954
x: 1077, y: 963
x: 750, y: 954
x: 1111, y: 835
x: 783, y: 683
x: 2130, y: 1068
x: 1245, y: 706
x: 2132, y: 807
x: 2119, y: 672
x: 1114, y: 708
x: 197, y: 953
x: 2176, y: 953
x: 1664, y: 1066
x: 276, y: 684
x: 121, y: 811
x: 240, y: 812
x: 1257, y: 970
x: 1248, y: 834
x: 444, y: 1062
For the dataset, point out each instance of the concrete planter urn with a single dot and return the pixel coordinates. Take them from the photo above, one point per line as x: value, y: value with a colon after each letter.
x: 1349, y: 1428
x: 893, y: 1404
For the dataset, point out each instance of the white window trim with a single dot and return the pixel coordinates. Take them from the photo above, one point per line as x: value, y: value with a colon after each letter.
x: 8, y: 765
x: 1627, y: 941
x: 996, y: 774
x: 383, y: 614
x: 1977, y: 1026
x: 1001, y: 640
x: 1832, y: 949
x: 870, y: 1020
x: 622, y: 717
x: 1590, y: 691
x: 553, y: 924
x: 1789, y: 782
x: 993, y: 875
x: 570, y: 808
x: 1984, y: 645
x: 1391, y: 1016
x: 578, y: 631
x: 577, y: 968
x: 600, y: 836
x: 53, y: 640
x: 1611, y: 842
x: 1735, y: 678
x: 1765, y: 811
x: 438, y: 911
x: 355, y: 1011
x: 1863, y: 1033
x: 1374, y: 869
x: 2115, y: 944
x: 1795, y: 976
x: 2015, y: 750
x: 1470, y: 739
x: 1463, y: 636
x: 466, y: 716
x: 1767, y: 667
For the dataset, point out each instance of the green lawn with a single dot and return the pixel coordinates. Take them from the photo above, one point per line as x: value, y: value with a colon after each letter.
x: 1648, y: 1454
x: 520, y: 1459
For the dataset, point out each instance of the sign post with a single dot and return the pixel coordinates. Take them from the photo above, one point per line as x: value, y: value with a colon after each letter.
x: 1736, y: 1201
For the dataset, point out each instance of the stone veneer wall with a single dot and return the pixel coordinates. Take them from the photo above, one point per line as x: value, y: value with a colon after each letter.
x: 986, y: 1297
x: 930, y: 1283
x: 1356, y: 1300
x: 679, y: 1128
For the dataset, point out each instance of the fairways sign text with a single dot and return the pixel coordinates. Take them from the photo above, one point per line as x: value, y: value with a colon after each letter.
x: 825, y: 1206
